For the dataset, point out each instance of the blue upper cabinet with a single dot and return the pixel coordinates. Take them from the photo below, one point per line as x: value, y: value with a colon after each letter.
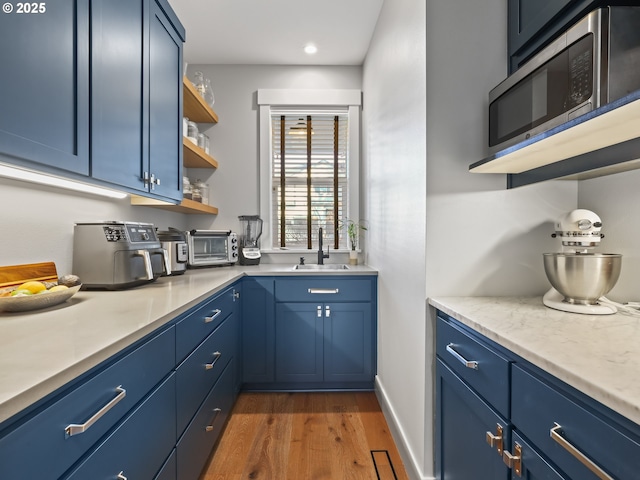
x: 533, y: 23
x: 136, y: 96
x: 44, y: 86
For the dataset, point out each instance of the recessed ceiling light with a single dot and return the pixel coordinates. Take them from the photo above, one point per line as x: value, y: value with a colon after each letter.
x: 310, y: 49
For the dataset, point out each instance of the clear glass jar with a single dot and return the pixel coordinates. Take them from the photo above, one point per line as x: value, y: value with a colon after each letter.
x: 203, y: 189
x: 208, y: 93
x: 198, y: 82
x: 202, y: 143
x: 192, y: 131
x: 185, y: 126
x: 186, y: 188
x: 207, y: 143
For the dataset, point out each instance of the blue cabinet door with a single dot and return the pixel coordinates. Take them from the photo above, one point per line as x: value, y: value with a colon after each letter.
x: 258, y: 330
x: 462, y: 422
x: 299, y: 342
x: 348, y: 342
x: 136, y: 101
x: 118, y: 116
x: 532, y: 465
x: 44, y: 86
x: 165, y: 105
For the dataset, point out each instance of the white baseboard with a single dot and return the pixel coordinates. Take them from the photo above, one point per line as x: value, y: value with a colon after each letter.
x: 411, y: 465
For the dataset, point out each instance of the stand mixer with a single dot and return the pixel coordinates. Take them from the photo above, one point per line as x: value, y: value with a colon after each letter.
x: 578, y: 276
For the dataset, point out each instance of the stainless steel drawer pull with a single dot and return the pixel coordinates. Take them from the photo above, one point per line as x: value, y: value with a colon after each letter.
x: 209, y: 427
x: 75, y: 429
x: 323, y: 290
x: 556, y: 434
x: 213, y: 316
x: 216, y: 356
x: 467, y: 363
x: 121, y: 476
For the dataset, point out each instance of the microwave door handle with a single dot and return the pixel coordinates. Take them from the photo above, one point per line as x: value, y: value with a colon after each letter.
x: 147, y: 262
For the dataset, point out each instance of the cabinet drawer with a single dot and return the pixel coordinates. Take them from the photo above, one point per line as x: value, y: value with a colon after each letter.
x: 169, y: 469
x: 140, y: 445
x: 490, y: 377
x: 197, y: 374
x: 323, y: 289
x: 44, y: 438
x: 194, y: 328
x: 537, y: 408
x: 197, y: 442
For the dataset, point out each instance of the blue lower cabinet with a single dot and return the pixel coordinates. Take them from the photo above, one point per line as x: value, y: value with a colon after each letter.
x: 528, y: 464
x: 200, y: 371
x: 258, y: 331
x: 62, y: 433
x: 299, y: 342
x: 169, y: 470
x: 139, y: 447
x: 463, y: 421
x: 200, y: 437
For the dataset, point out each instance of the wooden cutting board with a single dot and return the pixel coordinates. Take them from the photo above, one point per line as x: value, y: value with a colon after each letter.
x: 17, y: 274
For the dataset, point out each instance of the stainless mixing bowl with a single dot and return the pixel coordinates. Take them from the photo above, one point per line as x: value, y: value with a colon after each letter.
x: 582, y: 278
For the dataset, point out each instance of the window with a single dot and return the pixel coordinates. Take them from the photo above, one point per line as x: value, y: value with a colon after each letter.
x: 309, y: 163
x: 309, y: 184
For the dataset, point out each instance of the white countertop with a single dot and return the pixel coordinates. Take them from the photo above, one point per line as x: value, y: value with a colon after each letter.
x: 42, y: 350
x: 598, y: 355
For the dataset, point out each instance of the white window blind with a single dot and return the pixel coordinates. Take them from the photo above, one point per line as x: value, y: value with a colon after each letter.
x: 309, y: 167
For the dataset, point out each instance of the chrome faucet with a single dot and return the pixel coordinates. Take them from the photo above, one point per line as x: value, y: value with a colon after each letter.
x: 321, y: 254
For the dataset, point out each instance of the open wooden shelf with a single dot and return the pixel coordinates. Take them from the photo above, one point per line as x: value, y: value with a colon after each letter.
x: 186, y: 206
x: 194, y: 107
x: 196, y: 157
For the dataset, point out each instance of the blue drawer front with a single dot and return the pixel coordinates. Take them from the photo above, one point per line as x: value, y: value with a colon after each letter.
x: 536, y: 407
x: 43, y: 436
x: 169, y: 469
x: 491, y: 379
x: 197, y: 374
x: 140, y: 445
x: 323, y: 289
x: 197, y: 325
x: 200, y: 437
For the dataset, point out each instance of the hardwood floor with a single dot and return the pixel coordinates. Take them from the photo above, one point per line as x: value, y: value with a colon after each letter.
x: 306, y: 436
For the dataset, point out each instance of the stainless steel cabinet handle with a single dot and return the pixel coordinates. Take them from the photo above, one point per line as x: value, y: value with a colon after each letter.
x: 216, y: 356
x: 209, y: 427
x: 327, y: 311
x: 323, y: 290
x: 467, y: 363
x: 74, y: 428
x: 556, y: 435
x: 121, y: 476
x: 319, y: 311
x: 213, y: 315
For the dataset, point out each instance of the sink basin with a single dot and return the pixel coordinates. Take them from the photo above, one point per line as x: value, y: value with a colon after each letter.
x: 326, y: 266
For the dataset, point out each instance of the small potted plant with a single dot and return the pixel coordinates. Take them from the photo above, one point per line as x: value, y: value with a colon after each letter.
x: 353, y: 232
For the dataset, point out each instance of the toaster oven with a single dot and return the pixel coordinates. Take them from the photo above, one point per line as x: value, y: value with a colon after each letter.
x: 212, y: 247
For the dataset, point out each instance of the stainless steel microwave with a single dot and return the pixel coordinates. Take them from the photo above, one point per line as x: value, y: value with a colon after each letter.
x: 593, y: 63
x: 212, y: 247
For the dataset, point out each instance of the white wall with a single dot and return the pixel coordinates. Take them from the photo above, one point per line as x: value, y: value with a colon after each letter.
x: 616, y: 199
x: 234, y: 140
x: 459, y: 233
x: 37, y: 221
x: 395, y: 198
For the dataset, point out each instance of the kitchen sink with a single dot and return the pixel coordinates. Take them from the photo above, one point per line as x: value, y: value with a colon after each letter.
x: 326, y: 266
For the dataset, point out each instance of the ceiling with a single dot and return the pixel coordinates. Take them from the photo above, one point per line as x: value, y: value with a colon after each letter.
x: 274, y: 32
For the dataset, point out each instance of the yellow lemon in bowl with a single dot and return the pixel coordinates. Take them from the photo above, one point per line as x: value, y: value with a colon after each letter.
x: 58, y: 288
x: 32, y: 286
